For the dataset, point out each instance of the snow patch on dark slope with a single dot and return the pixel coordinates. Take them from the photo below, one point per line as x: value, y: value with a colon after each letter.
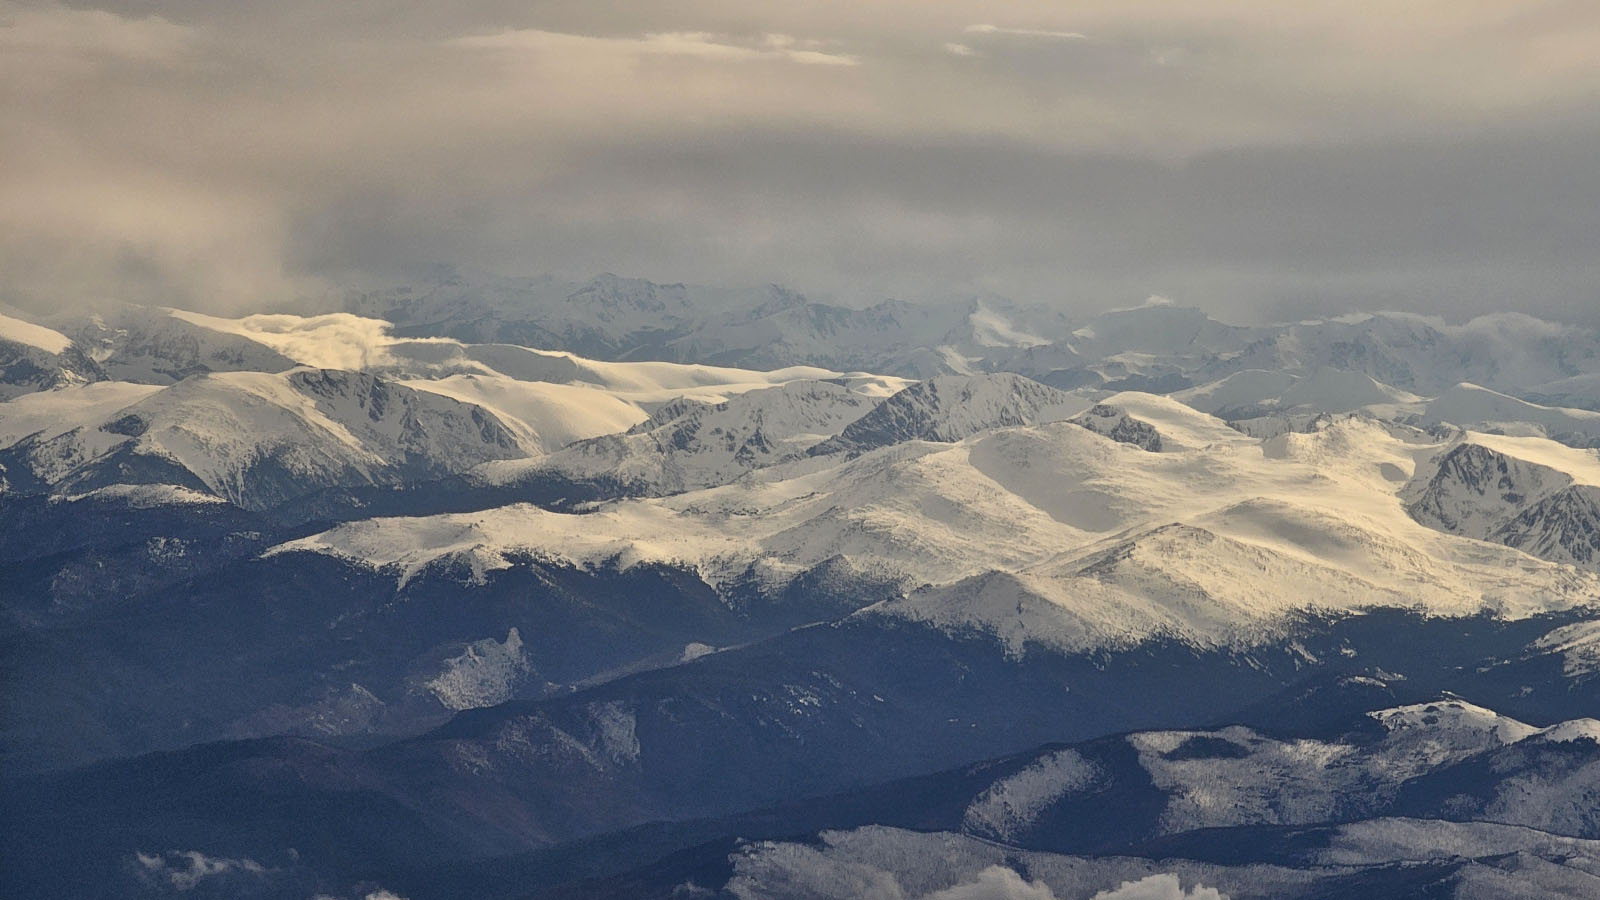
x: 1577, y: 645
x: 950, y: 408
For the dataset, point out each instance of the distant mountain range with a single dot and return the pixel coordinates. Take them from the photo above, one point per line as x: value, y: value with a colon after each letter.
x: 1150, y: 346
x: 516, y: 588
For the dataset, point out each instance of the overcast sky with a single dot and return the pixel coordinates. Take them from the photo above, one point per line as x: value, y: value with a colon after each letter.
x: 1256, y: 157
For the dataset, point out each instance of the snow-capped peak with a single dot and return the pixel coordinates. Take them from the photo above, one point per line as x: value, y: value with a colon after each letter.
x: 950, y: 408
x: 1452, y: 716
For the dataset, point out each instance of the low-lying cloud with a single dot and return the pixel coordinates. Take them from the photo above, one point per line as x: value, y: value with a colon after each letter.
x: 698, y: 44
x: 1159, y: 887
x: 185, y: 870
x: 1026, y: 32
x: 996, y: 883
x: 39, y: 38
x: 1001, y: 883
x: 328, y: 341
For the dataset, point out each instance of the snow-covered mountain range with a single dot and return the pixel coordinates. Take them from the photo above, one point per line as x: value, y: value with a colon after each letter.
x: 619, y: 588
x: 767, y: 327
x: 255, y: 439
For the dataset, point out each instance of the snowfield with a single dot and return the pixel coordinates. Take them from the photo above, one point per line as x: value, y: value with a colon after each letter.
x: 28, y: 334
x: 1052, y: 534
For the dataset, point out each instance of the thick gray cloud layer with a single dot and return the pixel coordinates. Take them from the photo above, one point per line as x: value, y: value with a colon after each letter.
x: 1258, y: 158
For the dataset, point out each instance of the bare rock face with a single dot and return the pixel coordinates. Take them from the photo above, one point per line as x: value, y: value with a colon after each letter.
x: 1484, y: 494
x: 1475, y: 489
x: 1115, y: 423
x: 1563, y: 527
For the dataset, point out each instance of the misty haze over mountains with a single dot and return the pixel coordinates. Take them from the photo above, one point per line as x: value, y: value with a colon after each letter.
x: 1117, y: 450
x: 503, y: 587
x: 1262, y: 162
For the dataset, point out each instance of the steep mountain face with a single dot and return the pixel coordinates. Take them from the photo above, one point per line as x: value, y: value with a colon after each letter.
x: 25, y: 369
x: 1495, y: 496
x: 1564, y: 526
x: 259, y: 439
x: 949, y: 408
x: 1475, y: 489
x: 35, y: 358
